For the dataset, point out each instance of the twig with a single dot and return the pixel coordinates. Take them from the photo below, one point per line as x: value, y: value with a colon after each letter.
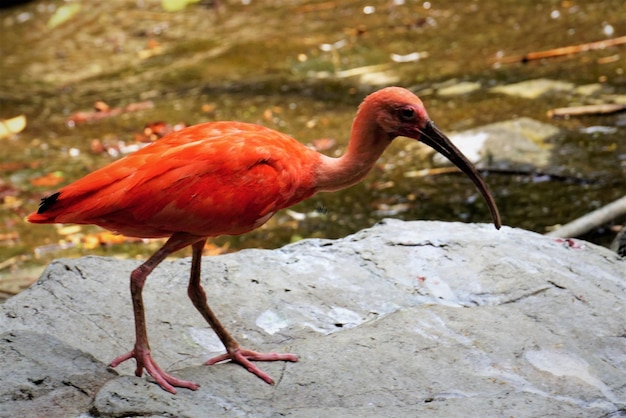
x: 12, y: 261
x: 566, y: 50
x: 102, y: 111
x: 591, y: 220
x: 600, y: 109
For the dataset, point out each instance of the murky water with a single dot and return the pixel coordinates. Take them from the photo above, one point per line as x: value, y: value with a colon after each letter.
x: 302, y: 67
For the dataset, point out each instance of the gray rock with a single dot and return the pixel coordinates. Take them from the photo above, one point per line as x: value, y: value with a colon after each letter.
x: 513, y: 144
x: 456, y: 88
x: 403, y: 319
x: 42, y: 376
x: 533, y: 89
x: 619, y: 243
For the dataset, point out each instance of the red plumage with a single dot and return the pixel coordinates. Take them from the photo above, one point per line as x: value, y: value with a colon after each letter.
x: 218, y: 178
x: 228, y: 178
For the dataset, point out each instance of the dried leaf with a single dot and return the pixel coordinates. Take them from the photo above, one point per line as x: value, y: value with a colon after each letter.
x: 50, y: 179
x: 209, y: 107
x: 12, y: 126
x: 63, y: 14
x: 69, y: 230
x: 212, y: 249
x: 90, y: 241
x: 110, y: 238
x: 11, y: 202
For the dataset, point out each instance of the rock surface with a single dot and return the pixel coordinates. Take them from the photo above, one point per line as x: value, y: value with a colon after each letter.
x: 403, y: 319
x: 532, y: 89
x: 522, y: 143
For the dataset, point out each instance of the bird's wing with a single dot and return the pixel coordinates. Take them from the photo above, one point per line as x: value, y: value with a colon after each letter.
x: 209, y: 179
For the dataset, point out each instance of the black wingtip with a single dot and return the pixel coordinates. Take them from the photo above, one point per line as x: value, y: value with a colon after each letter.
x: 47, y: 202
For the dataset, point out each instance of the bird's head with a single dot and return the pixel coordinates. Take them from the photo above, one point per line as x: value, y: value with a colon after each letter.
x: 398, y: 112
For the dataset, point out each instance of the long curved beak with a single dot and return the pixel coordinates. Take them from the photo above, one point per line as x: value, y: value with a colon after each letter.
x: 434, y: 138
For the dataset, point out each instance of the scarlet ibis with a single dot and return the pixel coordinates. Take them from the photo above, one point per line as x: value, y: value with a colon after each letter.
x: 228, y: 178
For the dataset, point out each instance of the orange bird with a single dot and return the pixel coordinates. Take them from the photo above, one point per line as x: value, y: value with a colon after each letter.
x: 228, y: 178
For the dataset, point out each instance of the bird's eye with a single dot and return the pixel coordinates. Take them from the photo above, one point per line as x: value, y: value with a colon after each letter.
x: 407, y: 114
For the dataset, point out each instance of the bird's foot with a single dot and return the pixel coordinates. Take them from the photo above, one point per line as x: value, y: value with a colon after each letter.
x: 144, y: 360
x: 245, y: 357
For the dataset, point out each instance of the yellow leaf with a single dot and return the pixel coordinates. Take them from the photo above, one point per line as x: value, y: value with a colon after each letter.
x: 12, y: 126
x: 91, y: 241
x: 68, y: 230
x: 176, y: 5
x: 63, y: 14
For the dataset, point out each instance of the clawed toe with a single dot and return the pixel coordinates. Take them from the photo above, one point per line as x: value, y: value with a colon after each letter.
x: 144, y: 360
x: 245, y: 357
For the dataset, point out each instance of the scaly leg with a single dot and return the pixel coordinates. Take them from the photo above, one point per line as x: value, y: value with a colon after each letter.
x: 233, y: 353
x: 141, y: 351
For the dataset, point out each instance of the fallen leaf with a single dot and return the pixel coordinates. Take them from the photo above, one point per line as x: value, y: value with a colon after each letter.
x: 11, y: 202
x: 156, y: 130
x: 50, y: 179
x: 176, y: 5
x: 63, y: 14
x: 101, y: 106
x: 90, y: 242
x: 209, y: 107
x: 212, y: 249
x: 110, y: 238
x: 69, y: 230
x: 96, y: 146
x: 12, y: 126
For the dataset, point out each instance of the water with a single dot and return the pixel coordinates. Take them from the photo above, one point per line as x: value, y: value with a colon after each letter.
x: 302, y: 68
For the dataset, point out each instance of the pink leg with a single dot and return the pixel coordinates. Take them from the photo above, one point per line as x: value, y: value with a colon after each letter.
x: 141, y: 351
x: 233, y: 353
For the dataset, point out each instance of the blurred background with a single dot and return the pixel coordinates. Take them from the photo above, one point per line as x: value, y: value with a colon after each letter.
x: 84, y: 83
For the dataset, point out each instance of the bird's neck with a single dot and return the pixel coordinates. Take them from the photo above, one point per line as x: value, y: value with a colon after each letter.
x: 366, y: 144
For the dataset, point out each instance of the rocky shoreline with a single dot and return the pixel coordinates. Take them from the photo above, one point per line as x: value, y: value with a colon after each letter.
x: 403, y: 319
